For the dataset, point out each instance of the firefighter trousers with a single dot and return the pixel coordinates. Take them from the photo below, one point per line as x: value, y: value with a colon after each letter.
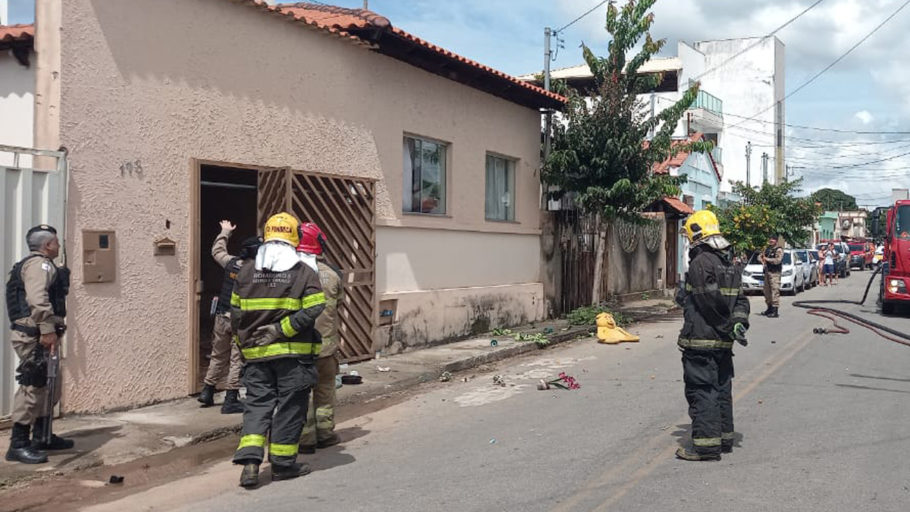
x: 225, y: 357
x: 708, y: 375
x: 277, y: 392
x: 320, y: 420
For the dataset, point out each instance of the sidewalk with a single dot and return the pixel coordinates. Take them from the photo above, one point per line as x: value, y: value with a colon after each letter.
x: 120, y: 437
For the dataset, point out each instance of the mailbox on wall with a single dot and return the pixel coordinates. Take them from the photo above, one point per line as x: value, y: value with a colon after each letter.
x: 99, y: 256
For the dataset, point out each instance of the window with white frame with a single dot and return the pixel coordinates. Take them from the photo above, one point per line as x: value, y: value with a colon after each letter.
x: 500, y: 188
x: 424, y: 176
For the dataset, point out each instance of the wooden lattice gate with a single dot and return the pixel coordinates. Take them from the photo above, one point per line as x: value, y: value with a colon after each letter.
x: 345, y: 209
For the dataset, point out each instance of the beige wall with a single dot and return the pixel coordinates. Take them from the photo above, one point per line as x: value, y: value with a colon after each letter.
x: 167, y: 81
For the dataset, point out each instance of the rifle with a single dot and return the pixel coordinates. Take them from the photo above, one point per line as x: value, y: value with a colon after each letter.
x: 53, y: 368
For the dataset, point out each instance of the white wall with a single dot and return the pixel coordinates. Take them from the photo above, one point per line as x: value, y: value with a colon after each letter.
x: 17, y: 103
x: 748, y: 84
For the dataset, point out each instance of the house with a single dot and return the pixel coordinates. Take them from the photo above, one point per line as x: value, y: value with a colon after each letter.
x: 703, y: 178
x: 17, y: 87
x: 417, y: 162
x: 826, y: 227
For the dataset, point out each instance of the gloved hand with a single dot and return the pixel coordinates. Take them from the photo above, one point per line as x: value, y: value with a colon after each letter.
x: 739, y: 334
x: 266, y: 334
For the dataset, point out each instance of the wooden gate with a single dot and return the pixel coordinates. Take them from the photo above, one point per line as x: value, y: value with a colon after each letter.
x: 345, y: 210
x: 671, y: 247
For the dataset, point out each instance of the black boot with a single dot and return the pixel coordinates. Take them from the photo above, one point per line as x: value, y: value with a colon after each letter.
x: 57, y: 443
x: 773, y: 313
x: 766, y: 311
x: 293, y: 470
x: 207, y: 397
x: 20, y: 448
x: 232, y: 403
x: 249, y: 477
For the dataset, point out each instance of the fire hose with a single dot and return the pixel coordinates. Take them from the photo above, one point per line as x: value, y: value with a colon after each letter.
x: 834, y: 314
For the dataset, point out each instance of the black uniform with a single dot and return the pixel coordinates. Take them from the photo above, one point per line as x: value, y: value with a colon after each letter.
x: 713, y: 303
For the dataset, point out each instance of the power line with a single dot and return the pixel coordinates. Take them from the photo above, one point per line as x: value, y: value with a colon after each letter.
x: 756, y: 43
x: 569, y: 24
x: 833, y: 63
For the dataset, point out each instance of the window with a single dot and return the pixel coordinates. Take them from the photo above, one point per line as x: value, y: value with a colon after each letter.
x: 902, y: 222
x: 424, y: 176
x: 500, y: 194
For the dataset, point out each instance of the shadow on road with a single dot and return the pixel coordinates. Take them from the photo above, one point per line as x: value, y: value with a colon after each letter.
x: 878, y: 378
x: 88, y: 440
x: 871, y: 388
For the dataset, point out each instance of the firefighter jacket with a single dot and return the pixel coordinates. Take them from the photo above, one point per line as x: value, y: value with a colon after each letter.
x: 36, y: 295
x: 291, y: 300
x: 774, y: 256
x: 713, y: 300
x: 327, y: 324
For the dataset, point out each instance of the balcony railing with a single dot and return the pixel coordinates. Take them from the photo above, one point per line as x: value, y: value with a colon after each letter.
x: 709, y: 102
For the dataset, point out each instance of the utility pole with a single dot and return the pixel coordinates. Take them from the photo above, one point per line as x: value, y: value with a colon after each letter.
x: 749, y: 164
x: 764, y: 168
x: 653, y: 108
x: 366, y: 5
x: 548, y: 116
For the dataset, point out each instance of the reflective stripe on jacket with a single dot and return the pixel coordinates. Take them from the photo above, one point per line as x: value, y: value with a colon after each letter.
x: 291, y: 300
x: 712, y: 300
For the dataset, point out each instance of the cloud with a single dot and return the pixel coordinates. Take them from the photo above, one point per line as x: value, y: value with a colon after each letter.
x: 864, y: 116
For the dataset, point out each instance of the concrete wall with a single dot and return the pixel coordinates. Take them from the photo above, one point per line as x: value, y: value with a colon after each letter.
x: 165, y: 82
x: 751, y: 83
x: 641, y: 269
x: 17, y: 104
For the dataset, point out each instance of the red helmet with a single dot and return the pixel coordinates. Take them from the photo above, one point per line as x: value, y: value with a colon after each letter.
x: 312, y: 239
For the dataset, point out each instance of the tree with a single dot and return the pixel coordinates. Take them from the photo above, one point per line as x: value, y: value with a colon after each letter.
x: 834, y: 200
x: 600, y: 147
x: 770, y: 210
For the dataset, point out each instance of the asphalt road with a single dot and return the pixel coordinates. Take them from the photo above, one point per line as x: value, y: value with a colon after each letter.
x: 823, y: 424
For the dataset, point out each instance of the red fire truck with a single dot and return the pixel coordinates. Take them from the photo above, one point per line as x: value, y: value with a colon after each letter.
x: 896, y: 259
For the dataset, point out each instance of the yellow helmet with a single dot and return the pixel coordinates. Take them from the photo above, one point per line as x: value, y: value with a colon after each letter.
x: 702, y: 224
x: 282, y: 227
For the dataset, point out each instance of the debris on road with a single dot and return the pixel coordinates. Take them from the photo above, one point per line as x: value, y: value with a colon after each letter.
x: 499, y: 381
x: 445, y: 377
x: 116, y: 479
x: 384, y: 368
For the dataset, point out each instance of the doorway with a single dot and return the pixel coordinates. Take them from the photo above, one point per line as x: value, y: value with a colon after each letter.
x: 225, y: 193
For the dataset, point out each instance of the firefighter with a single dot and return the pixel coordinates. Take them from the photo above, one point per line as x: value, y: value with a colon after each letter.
x: 274, y: 308
x: 716, y: 313
x: 36, y: 304
x: 319, y: 429
x: 225, y: 355
x: 771, y: 260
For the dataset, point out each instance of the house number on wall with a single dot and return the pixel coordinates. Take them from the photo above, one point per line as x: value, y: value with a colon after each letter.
x: 131, y: 168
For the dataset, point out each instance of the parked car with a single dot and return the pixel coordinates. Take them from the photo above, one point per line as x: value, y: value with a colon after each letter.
x: 841, y: 268
x: 809, y: 262
x: 791, y: 276
x: 860, y: 255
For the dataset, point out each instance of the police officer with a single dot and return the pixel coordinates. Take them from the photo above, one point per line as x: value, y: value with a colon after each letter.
x: 771, y: 260
x: 225, y: 356
x: 715, y: 314
x: 36, y: 304
x: 273, y: 311
x: 319, y: 429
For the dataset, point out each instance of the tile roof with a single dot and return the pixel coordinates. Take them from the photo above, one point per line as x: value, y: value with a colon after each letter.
x: 10, y: 34
x: 378, y: 32
x: 679, y: 159
x: 678, y: 205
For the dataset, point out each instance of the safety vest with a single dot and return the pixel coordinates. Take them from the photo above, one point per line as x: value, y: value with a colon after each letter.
x: 771, y: 252
x: 265, y: 297
x: 227, y: 286
x: 17, y: 306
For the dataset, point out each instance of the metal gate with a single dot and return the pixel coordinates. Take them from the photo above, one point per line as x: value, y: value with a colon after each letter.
x: 28, y: 196
x: 345, y: 209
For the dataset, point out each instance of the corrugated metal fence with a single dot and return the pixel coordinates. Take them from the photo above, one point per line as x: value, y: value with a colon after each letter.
x: 28, y: 196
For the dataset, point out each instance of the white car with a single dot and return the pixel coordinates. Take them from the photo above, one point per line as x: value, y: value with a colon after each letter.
x: 791, y: 276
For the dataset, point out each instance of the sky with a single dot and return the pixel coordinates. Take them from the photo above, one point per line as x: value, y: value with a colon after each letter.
x: 868, y: 91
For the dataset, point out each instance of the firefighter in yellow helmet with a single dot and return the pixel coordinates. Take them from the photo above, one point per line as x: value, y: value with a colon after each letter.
x: 274, y: 308
x: 716, y: 313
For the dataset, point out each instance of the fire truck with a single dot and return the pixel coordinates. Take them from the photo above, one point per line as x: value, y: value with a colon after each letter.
x: 895, y: 287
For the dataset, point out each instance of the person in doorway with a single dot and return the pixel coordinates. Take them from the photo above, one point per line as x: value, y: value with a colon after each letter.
x: 716, y: 313
x: 36, y: 305
x: 319, y: 429
x: 225, y: 356
x: 772, y: 261
x: 274, y: 308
